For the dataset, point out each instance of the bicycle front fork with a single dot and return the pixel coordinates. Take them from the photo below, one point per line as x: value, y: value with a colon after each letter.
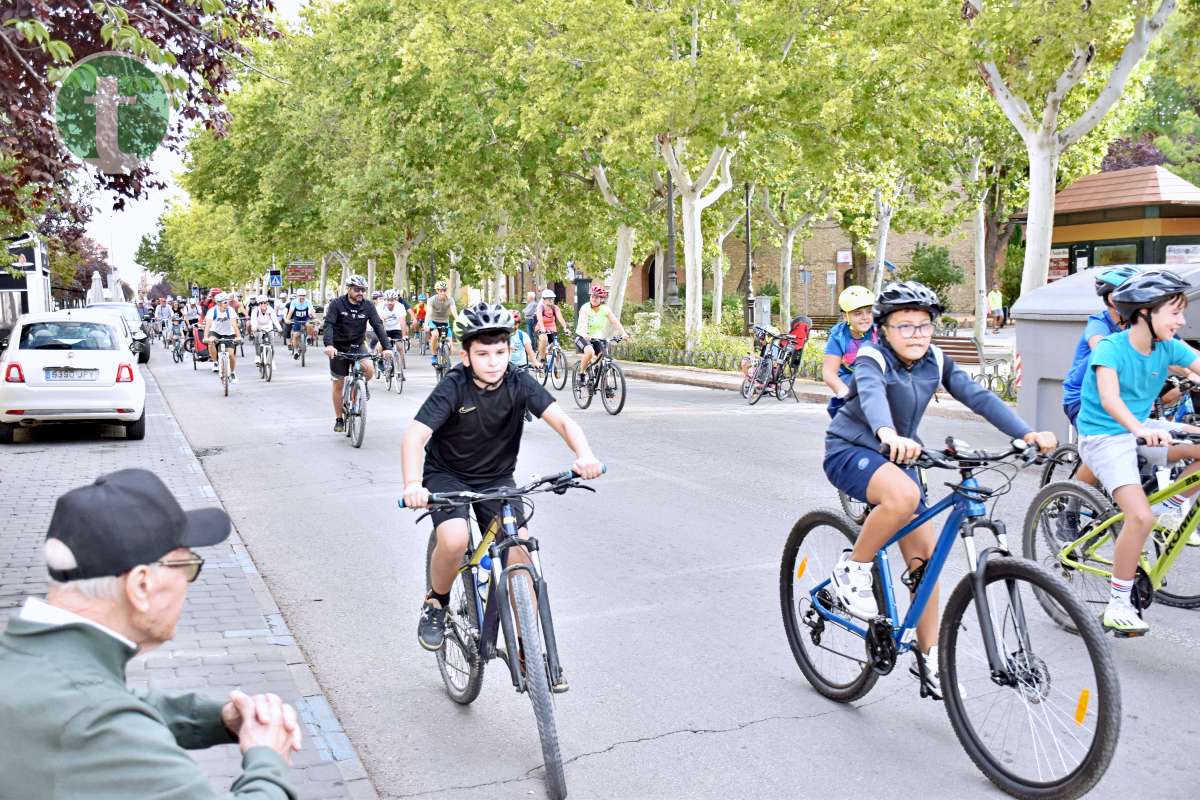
x: 990, y: 628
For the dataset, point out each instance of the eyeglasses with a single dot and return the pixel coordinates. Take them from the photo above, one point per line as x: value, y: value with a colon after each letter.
x: 909, y: 331
x: 192, y: 565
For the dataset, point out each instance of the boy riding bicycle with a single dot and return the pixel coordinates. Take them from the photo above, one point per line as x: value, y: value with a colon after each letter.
x: 1126, y: 373
x: 893, y: 384
x: 466, y: 437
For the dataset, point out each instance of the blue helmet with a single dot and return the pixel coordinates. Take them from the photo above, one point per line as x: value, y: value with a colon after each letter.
x: 421, y: 296
x: 1113, y: 277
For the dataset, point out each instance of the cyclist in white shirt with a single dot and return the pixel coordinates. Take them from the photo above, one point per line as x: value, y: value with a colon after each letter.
x: 262, y: 320
x: 394, y: 315
x: 221, y: 321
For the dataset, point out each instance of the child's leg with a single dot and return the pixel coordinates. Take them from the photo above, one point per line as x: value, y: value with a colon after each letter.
x: 1138, y: 522
x: 447, y: 554
x: 895, y: 497
x: 919, y: 545
x: 1186, y: 452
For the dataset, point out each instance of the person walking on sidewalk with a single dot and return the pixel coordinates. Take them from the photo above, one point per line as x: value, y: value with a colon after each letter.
x: 119, y: 553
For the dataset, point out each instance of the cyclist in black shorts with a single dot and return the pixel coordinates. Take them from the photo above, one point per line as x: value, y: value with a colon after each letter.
x: 346, y: 319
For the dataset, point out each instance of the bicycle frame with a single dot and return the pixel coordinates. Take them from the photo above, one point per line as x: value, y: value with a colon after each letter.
x: 967, y: 512
x: 501, y: 534
x: 1094, y: 539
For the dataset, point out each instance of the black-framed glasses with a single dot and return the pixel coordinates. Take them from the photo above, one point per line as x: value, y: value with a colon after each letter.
x: 192, y: 564
x: 909, y: 331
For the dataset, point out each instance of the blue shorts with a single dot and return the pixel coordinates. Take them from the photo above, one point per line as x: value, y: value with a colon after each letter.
x: 297, y: 327
x: 851, y: 469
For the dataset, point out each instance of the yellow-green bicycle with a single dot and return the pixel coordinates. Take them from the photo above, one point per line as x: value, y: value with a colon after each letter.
x: 1071, y: 528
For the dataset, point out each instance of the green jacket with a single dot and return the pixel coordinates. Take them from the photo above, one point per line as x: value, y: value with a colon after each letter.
x: 71, y: 730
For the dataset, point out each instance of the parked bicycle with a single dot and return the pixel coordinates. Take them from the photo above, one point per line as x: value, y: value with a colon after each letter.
x: 1037, y: 709
x: 355, y: 395
x: 605, y: 377
x: 773, y: 371
x: 489, y: 597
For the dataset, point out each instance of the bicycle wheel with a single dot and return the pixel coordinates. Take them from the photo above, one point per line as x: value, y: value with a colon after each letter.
x: 612, y: 388
x: 581, y: 391
x: 358, y: 414
x: 537, y: 682
x: 1052, y: 729
x: 224, y: 369
x: 746, y: 384
x: 545, y: 370
x: 759, y: 382
x: 831, y: 658
x: 856, y: 510
x: 268, y: 362
x: 561, y: 368
x: 458, y: 660
x: 1060, y: 513
x: 1061, y: 464
x: 303, y: 350
x: 386, y: 374
x: 398, y: 379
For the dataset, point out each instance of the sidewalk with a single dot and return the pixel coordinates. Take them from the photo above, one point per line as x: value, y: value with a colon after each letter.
x: 231, y: 634
x: 807, y: 391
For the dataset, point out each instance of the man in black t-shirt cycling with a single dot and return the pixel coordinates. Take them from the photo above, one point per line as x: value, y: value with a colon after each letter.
x: 469, y: 432
x: 346, y: 319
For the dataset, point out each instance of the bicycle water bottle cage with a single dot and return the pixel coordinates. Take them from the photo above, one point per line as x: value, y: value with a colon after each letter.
x: 881, y: 646
x: 913, y: 575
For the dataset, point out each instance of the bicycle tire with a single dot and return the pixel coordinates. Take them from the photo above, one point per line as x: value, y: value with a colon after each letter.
x: 795, y: 567
x: 1038, y: 541
x: 303, y: 350
x: 1062, y: 464
x: 580, y: 390
x: 461, y: 610
x: 856, y: 510
x: 561, y: 369
x: 399, y: 379
x: 746, y: 384
x: 269, y: 362
x: 224, y: 370
x: 758, y: 383
x: 1034, y: 685
x: 537, y: 683
x: 359, y: 414
x: 545, y: 370
x: 612, y: 377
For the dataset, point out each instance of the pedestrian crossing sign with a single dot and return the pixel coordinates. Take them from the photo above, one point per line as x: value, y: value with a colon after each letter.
x: 276, y: 280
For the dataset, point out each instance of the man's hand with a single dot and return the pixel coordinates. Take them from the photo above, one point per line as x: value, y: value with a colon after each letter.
x: 330, y: 351
x: 1154, y: 437
x: 1045, y: 440
x: 263, y: 721
x: 415, y: 495
x: 587, y: 466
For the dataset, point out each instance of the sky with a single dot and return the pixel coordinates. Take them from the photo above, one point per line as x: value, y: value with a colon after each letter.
x: 120, y: 231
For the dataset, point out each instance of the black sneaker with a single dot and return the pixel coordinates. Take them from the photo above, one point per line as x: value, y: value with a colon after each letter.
x: 295, y: 355
x: 339, y: 425
x: 431, y: 629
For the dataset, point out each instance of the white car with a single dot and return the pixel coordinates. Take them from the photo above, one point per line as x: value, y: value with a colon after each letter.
x: 77, y: 365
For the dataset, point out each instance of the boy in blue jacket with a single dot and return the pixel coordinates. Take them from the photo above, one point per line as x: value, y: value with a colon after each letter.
x: 893, y: 384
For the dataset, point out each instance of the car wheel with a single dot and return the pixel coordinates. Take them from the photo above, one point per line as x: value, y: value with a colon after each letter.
x: 6, y: 432
x: 136, y: 430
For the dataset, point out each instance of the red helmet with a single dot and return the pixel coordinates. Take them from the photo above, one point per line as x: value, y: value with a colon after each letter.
x: 599, y: 291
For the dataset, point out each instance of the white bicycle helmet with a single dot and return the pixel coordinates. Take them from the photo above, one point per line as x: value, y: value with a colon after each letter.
x: 547, y: 294
x: 222, y: 298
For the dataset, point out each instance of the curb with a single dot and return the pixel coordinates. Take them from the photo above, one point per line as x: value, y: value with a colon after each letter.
x: 808, y: 391
x: 324, y: 731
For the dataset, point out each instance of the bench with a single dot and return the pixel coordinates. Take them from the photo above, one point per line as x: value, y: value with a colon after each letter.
x: 966, y: 353
x: 823, y: 322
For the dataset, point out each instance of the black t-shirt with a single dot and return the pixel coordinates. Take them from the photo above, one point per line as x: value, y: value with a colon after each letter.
x: 477, y: 433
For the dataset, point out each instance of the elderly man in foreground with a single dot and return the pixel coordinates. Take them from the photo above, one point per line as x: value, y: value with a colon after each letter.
x: 120, y: 560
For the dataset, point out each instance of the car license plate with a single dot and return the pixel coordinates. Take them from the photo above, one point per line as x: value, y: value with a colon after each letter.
x: 69, y: 374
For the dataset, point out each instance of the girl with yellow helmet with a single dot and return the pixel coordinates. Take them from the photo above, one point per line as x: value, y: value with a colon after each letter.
x: 857, y: 329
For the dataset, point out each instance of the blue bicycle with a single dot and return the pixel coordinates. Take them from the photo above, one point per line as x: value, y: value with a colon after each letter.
x: 1038, y: 709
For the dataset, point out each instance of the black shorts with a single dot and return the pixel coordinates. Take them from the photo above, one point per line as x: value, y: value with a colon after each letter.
x: 340, y: 367
x: 597, y: 345
x: 445, y: 482
x: 551, y: 336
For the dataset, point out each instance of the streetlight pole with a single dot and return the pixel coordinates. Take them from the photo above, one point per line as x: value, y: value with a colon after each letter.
x: 749, y: 266
x: 672, y: 279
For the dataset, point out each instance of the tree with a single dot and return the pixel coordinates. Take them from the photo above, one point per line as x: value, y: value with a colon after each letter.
x: 931, y: 265
x: 1051, y: 65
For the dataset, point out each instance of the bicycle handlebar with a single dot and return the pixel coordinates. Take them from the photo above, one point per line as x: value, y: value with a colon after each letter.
x: 561, y: 480
x: 959, y: 455
x: 1177, y: 437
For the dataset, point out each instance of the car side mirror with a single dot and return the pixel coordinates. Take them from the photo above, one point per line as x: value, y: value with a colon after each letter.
x: 137, y: 347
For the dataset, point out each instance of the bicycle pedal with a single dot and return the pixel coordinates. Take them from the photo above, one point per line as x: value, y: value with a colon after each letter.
x: 560, y: 686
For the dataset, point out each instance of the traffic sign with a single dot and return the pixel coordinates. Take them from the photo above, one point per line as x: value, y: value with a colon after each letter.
x: 276, y: 279
x: 299, y: 273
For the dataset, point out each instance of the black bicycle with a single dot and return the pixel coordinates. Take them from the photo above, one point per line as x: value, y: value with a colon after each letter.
x: 489, y: 597
x: 604, y: 376
x: 355, y: 395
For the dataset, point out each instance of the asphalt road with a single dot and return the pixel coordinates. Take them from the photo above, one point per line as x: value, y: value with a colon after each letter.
x: 665, y: 599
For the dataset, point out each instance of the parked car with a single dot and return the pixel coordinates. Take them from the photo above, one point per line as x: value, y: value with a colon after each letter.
x: 77, y: 365
x: 134, y: 321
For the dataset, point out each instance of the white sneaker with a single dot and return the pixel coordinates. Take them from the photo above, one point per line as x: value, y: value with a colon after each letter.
x: 1122, y: 619
x: 1194, y: 539
x: 852, y: 586
x: 933, y: 681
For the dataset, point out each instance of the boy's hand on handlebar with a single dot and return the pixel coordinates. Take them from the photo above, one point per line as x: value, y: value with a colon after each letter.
x: 1045, y: 440
x: 587, y: 466
x: 1154, y: 437
x: 330, y: 352
x: 415, y: 495
x: 903, y: 450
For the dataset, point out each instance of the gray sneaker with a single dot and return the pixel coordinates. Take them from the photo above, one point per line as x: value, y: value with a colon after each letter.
x: 431, y: 629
